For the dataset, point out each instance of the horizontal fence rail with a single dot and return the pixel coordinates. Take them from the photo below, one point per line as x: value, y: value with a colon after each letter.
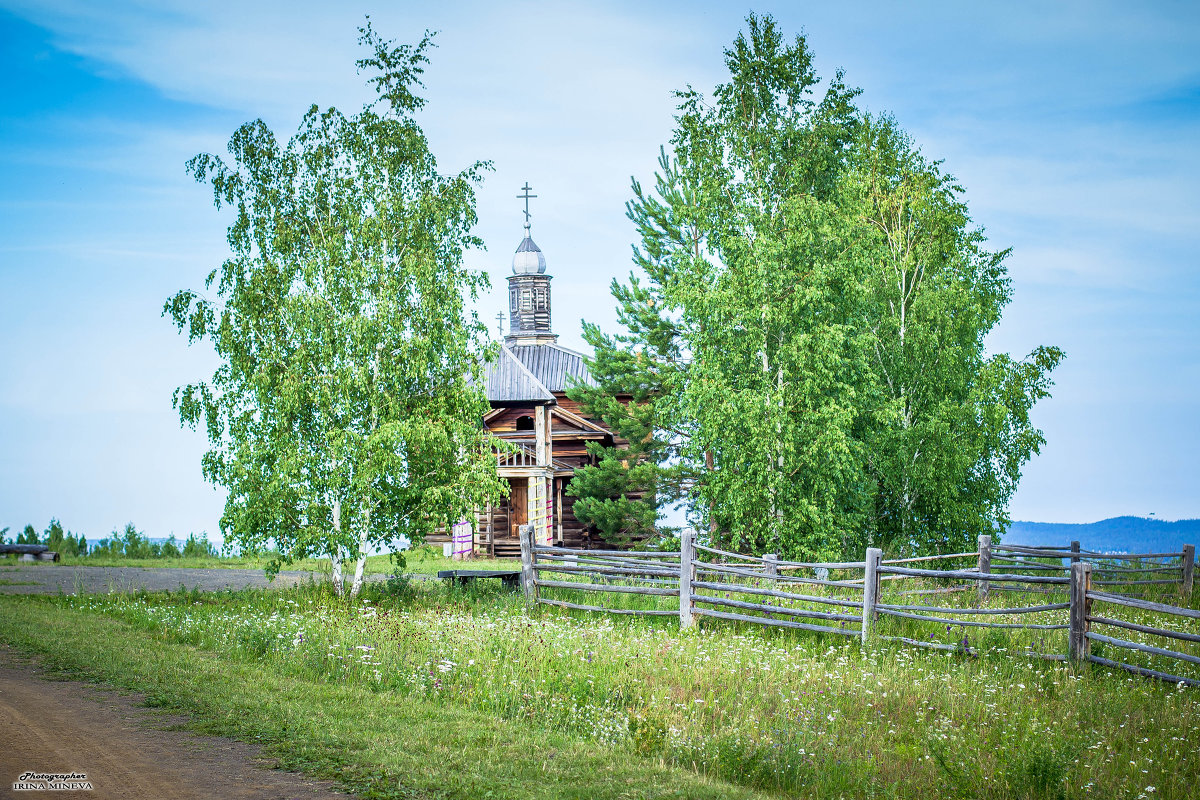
x: 699, y: 581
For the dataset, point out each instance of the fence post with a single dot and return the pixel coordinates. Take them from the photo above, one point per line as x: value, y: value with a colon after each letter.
x: 1189, y: 569
x: 1081, y: 583
x: 870, y: 591
x: 1074, y: 552
x: 687, y: 574
x: 528, y: 575
x: 771, y: 564
x: 985, y: 565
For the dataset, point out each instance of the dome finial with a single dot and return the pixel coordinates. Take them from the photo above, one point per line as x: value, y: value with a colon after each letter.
x: 528, y: 259
x: 525, y: 196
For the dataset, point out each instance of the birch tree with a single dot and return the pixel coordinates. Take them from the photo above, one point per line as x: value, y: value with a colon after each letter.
x: 745, y: 321
x: 951, y: 431
x: 805, y: 329
x: 345, y: 413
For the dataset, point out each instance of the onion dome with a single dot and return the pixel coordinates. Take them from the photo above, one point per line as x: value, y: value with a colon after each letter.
x: 528, y: 260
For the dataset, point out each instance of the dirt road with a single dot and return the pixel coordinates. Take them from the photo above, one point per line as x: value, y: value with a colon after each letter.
x: 123, y: 749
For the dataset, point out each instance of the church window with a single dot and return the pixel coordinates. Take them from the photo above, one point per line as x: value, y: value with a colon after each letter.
x: 524, y: 423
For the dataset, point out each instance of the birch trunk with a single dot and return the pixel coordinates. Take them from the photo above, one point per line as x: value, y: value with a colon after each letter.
x: 335, y: 555
x: 360, y: 567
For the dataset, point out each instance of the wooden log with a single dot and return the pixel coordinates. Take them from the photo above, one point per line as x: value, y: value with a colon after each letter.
x: 700, y: 548
x: 945, y: 610
x: 1129, y: 556
x: 770, y: 609
x: 821, y: 565
x: 687, y: 578
x: 771, y: 565
x: 1036, y: 552
x: 746, y: 573
x: 1078, y: 647
x: 23, y: 549
x: 778, y: 623
x: 673, y: 566
x: 969, y: 623
x: 1024, y: 589
x: 619, y: 553
x: 607, y: 587
x: 491, y: 530
x: 640, y: 612
x: 1145, y: 648
x: 735, y: 588
x: 1133, y: 626
x: 972, y: 575
x: 1135, y: 583
x: 1189, y: 569
x: 528, y: 559
x: 783, y: 564
x: 946, y: 590
x: 617, y: 580
x: 1145, y: 605
x: 984, y: 566
x: 1098, y: 569
x: 870, y: 591
x: 1020, y: 563
x: 48, y: 555
x: 596, y: 569
x: 953, y: 648
x: 1075, y: 552
x: 1149, y: 673
x: 927, y: 558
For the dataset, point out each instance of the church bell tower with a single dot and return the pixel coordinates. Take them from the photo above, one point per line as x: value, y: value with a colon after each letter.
x: 528, y: 291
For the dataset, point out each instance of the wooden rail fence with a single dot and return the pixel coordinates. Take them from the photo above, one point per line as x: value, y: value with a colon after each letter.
x: 846, y: 598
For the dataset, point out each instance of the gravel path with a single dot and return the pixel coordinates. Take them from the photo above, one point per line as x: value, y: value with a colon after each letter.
x: 73, y: 579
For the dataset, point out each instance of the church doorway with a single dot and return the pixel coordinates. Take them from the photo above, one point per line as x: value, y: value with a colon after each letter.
x: 518, y: 505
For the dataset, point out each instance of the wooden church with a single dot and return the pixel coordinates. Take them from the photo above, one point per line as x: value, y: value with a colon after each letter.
x: 527, y: 389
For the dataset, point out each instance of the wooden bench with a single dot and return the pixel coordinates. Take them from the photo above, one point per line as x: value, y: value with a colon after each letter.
x: 510, y: 577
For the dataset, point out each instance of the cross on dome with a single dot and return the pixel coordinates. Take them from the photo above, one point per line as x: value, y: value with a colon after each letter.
x: 525, y: 195
x: 528, y: 260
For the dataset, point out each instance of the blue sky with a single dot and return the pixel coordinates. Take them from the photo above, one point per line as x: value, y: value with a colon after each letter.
x: 1073, y: 127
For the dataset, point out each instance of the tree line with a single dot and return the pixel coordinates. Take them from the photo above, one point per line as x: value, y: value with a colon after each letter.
x: 127, y: 543
x: 801, y: 363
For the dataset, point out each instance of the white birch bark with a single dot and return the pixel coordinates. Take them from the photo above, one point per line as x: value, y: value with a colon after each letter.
x: 335, y: 554
x: 361, y: 555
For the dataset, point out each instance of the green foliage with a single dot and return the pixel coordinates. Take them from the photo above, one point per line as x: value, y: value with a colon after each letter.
x: 4, y: 535
x: 947, y: 427
x: 28, y: 536
x: 170, y: 548
x: 804, y: 338
x: 198, y: 548
x: 346, y: 409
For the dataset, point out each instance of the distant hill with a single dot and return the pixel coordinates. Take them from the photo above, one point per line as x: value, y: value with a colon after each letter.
x: 1116, y: 535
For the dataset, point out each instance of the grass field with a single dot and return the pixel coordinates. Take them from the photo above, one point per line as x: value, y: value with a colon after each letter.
x: 421, y: 560
x: 632, y: 708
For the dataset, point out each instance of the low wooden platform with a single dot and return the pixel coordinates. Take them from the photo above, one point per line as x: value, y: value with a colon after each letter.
x: 462, y: 577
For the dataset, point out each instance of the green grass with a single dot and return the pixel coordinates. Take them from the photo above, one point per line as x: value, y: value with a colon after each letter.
x: 777, y: 712
x: 377, y: 744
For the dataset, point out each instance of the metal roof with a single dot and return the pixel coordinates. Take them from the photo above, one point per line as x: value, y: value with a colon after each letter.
x: 533, y: 373
x: 507, y: 381
x: 554, y: 366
